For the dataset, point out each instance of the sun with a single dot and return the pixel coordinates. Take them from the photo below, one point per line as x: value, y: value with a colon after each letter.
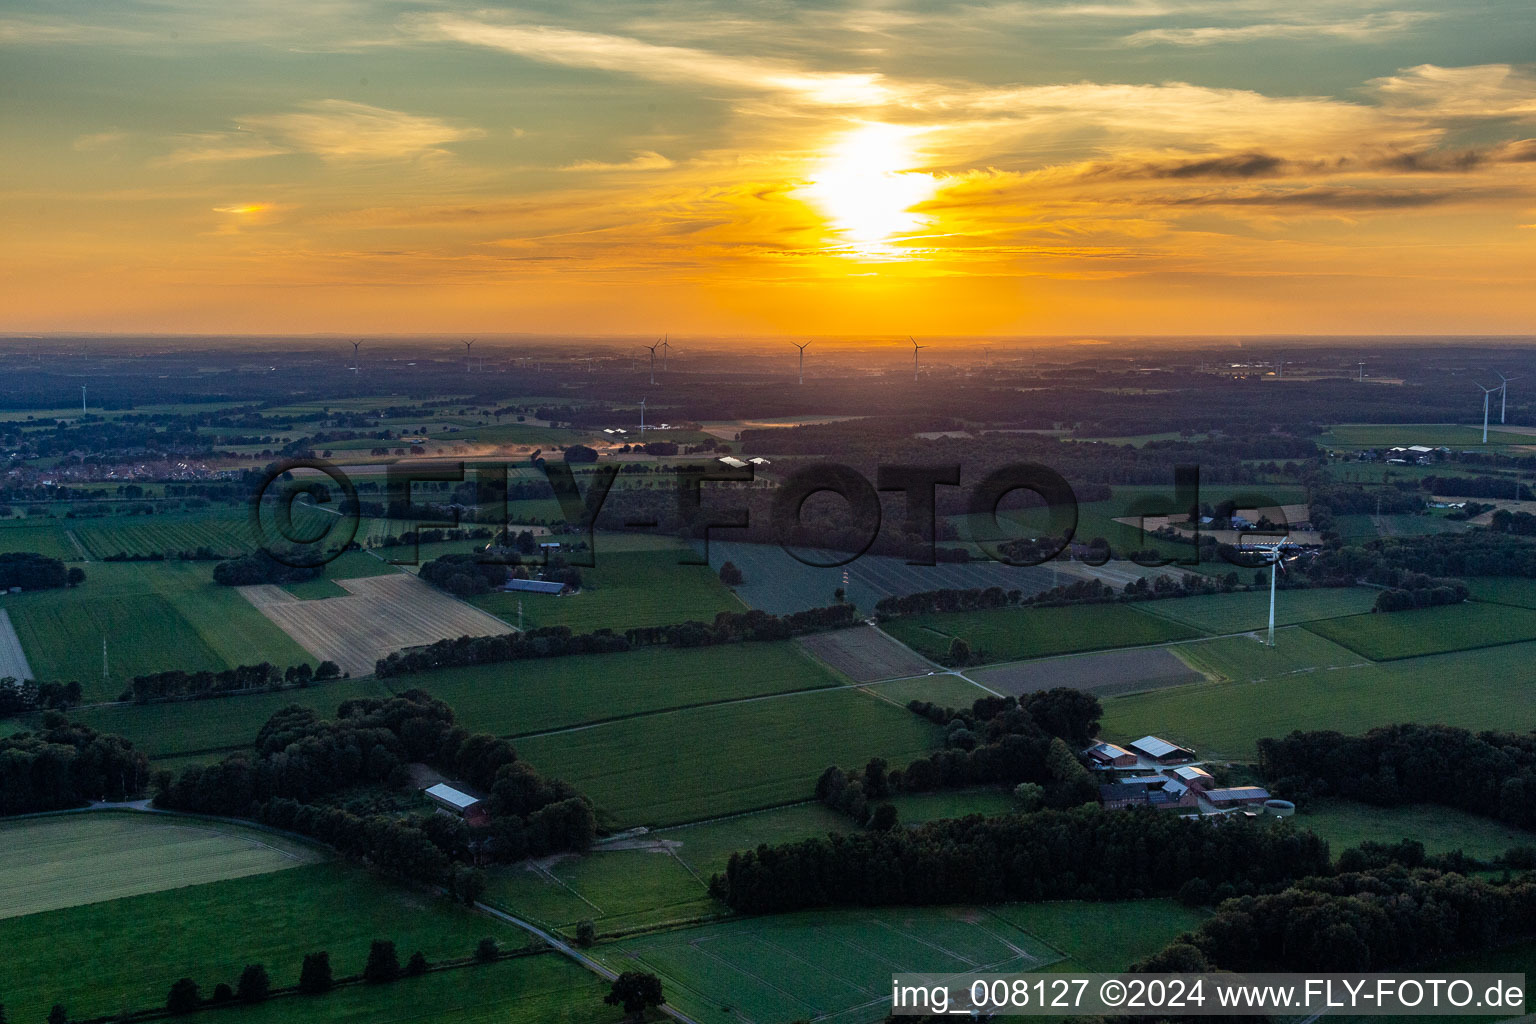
x: 864, y: 187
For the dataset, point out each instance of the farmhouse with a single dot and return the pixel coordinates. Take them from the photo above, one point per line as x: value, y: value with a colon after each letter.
x: 1107, y: 755
x: 1161, y: 794
x: 1161, y: 751
x: 1193, y: 776
x: 457, y: 803
x: 1240, y: 796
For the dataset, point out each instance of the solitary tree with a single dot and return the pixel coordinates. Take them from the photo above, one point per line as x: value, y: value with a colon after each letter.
x: 416, y: 966
x: 487, y: 950
x: 383, y: 963
x: 884, y: 818
x: 635, y: 991
x: 254, y: 985
x: 959, y: 651
x: 183, y: 997
x: 731, y: 576
x: 586, y: 935
x: 58, y: 1015
x: 315, y: 975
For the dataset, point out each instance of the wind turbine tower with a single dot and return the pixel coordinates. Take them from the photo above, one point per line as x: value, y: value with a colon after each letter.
x: 1361, y: 378
x: 82, y: 399
x: 652, y: 350
x: 355, y: 346
x: 1504, y: 394
x: 1273, y: 554
x: 468, y: 365
x: 642, y: 419
x: 802, y: 349
x: 915, y: 348
x: 1486, y: 392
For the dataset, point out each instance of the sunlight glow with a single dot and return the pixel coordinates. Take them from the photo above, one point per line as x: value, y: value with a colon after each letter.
x: 864, y: 189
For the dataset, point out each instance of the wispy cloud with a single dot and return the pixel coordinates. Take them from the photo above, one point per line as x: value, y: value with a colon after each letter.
x: 670, y: 64
x: 1368, y: 28
x: 330, y: 129
x: 645, y: 160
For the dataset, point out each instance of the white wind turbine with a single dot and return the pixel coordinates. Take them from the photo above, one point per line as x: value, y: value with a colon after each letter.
x: 652, y: 350
x: 915, y: 348
x: 802, y: 349
x: 1486, y: 393
x: 1504, y: 393
x: 1274, y: 554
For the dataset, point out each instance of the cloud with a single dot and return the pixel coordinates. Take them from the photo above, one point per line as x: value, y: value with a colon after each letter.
x: 330, y: 129
x: 667, y: 64
x: 94, y: 141
x: 645, y: 160
x: 1479, y: 92
x: 1368, y: 28
x: 1326, y: 198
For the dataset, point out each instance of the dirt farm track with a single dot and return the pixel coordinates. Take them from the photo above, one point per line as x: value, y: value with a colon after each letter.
x: 379, y: 615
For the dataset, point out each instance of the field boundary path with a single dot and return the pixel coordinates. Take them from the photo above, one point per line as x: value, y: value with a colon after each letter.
x: 85, y: 556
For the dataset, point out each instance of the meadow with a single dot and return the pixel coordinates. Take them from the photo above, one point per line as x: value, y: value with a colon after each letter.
x: 706, y: 847
x: 1246, y: 610
x: 1515, y: 591
x: 534, y: 696
x: 615, y: 890
x: 1421, y: 631
x: 939, y: 688
x: 1384, y: 435
x: 1345, y: 824
x: 1102, y: 936
x: 625, y: 589
x: 1012, y: 634
x: 1486, y: 688
x: 154, y: 615
x: 832, y: 966
x: 41, y: 536
x: 66, y: 860
x: 98, y: 958
x: 674, y: 767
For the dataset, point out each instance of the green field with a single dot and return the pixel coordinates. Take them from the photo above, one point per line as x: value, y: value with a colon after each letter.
x: 154, y: 615
x: 1245, y: 659
x: 538, y: 695
x: 1503, y: 590
x: 940, y: 688
x: 832, y: 966
x: 546, y: 989
x: 99, y: 958
x: 43, y: 537
x: 1409, y: 634
x: 707, y: 846
x: 1102, y: 936
x: 1383, y: 435
x: 1487, y: 688
x: 726, y: 758
x: 916, y: 808
x: 1012, y: 634
x: 616, y: 890
x: 67, y: 860
x: 1345, y: 823
x: 624, y: 589
x: 1246, y: 610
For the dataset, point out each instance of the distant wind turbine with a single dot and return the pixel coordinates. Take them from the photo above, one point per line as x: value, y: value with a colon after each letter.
x: 468, y: 364
x: 915, y: 348
x: 355, y: 346
x: 1274, y: 555
x: 1486, y: 393
x: 642, y: 418
x: 1504, y: 394
x: 82, y: 399
x: 666, y: 347
x: 652, y: 350
x: 802, y: 349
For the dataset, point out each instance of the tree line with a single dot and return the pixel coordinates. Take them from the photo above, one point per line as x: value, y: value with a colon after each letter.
x: 65, y: 764
x: 31, y: 571
x: 299, y: 760
x: 1388, y: 918
x: 1492, y: 774
x: 242, y: 678
x: 1083, y: 853
x: 560, y: 641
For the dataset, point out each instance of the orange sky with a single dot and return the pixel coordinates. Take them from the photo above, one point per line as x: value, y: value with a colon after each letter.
x: 1144, y: 166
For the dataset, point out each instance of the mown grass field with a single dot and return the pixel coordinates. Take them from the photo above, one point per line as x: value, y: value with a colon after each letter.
x: 40, y: 536
x: 154, y: 615
x: 537, y: 695
x: 616, y: 890
x: 1248, y: 659
x: 1104, y: 937
x: 829, y: 965
x: 1012, y: 634
x: 1408, y: 634
x: 707, y: 846
x: 546, y: 989
x: 97, y: 959
x: 67, y: 860
x: 1503, y: 590
x: 1345, y: 823
x: 1487, y: 688
x: 916, y: 808
x: 941, y: 688
x: 1245, y: 610
x: 726, y: 758
x: 624, y: 589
